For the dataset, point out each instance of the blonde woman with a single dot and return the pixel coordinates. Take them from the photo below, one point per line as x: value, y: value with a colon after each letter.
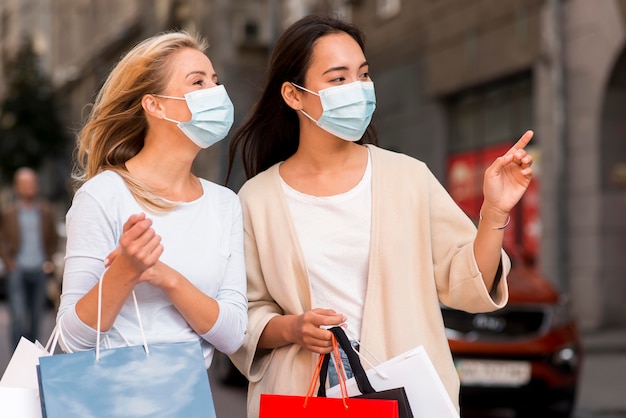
x: 142, y: 220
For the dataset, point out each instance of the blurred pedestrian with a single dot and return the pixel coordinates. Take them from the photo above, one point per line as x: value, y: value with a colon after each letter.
x: 342, y: 233
x: 30, y: 239
x: 142, y: 221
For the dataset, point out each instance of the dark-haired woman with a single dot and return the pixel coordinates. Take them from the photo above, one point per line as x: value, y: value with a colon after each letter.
x: 338, y: 232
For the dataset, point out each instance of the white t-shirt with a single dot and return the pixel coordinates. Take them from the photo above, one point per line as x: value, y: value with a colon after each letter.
x: 334, y: 233
x: 202, y: 239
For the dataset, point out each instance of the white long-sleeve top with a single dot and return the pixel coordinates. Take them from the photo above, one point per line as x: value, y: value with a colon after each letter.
x: 202, y: 240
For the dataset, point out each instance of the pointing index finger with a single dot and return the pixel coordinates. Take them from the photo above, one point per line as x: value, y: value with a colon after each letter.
x: 521, y: 143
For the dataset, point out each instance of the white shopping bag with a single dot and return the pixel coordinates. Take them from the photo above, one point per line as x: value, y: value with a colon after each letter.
x: 19, y: 386
x: 19, y: 403
x: 415, y: 372
x: 22, y: 369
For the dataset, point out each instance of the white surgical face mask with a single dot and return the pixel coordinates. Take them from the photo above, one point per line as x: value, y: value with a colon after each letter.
x: 347, y: 109
x: 212, y: 115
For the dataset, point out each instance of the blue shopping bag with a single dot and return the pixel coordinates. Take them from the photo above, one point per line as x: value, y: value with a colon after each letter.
x: 169, y: 381
x: 164, y: 380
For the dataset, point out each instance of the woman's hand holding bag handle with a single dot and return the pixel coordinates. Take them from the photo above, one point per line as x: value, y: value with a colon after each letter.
x: 363, y: 383
x: 310, y: 406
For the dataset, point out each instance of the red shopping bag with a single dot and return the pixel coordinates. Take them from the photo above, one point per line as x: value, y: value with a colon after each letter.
x: 286, y: 406
x: 309, y: 406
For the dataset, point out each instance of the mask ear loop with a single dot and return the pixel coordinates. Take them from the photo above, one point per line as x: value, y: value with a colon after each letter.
x: 304, y: 88
x: 308, y: 91
x: 171, y: 120
x: 308, y: 116
x: 170, y: 97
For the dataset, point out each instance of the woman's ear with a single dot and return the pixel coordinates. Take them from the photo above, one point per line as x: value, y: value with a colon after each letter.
x: 152, y: 106
x: 291, y: 95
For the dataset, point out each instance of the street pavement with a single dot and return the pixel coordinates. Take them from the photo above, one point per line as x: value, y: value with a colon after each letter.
x: 602, y: 388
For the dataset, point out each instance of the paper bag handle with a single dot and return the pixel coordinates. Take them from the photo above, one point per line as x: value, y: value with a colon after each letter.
x: 362, y: 381
x: 324, y: 358
x: 362, y: 356
x: 99, y: 324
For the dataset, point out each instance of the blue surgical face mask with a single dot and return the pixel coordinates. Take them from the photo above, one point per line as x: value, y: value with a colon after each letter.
x: 212, y: 115
x: 347, y: 109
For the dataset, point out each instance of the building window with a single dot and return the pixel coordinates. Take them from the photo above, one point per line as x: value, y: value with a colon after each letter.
x: 490, y: 115
x: 485, y: 122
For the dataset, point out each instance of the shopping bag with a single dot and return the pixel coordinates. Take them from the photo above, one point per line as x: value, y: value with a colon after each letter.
x: 160, y: 380
x: 19, y: 403
x: 413, y: 371
x: 21, y: 372
x: 289, y: 406
x: 364, y: 385
x: 19, y: 390
x: 309, y: 406
x: 170, y: 381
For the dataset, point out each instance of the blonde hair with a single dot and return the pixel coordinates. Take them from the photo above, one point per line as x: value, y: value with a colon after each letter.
x: 115, y: 129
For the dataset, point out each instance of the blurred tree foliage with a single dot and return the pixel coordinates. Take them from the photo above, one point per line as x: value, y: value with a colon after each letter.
x: 30, y: 128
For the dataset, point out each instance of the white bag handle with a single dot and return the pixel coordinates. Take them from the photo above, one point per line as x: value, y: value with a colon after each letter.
x: 378, y: 372
x: 143, y: 335
x: 51, y: 345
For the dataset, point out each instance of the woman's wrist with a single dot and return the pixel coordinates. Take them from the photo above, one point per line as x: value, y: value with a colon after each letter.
x: 289, y: 326
x: 494, y: 218
x: 279, y: 331
x: 169, y: 280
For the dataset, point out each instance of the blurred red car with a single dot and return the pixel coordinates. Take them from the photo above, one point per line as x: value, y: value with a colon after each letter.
x: 526, y: 356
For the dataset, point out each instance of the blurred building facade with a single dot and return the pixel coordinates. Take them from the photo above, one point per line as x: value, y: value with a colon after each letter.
x: 79, y: 41
x: 457, y: 82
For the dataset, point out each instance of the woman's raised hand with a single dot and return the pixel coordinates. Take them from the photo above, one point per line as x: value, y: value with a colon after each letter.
x: 508, y: 177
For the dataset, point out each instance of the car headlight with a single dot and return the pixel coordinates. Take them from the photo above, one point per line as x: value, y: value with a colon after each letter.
x: 566, y: 359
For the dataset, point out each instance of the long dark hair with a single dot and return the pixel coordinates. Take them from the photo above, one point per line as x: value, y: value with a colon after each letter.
x: 271, y: 132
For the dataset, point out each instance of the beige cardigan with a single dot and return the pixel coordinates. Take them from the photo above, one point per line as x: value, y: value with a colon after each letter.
x: 421, y: 254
